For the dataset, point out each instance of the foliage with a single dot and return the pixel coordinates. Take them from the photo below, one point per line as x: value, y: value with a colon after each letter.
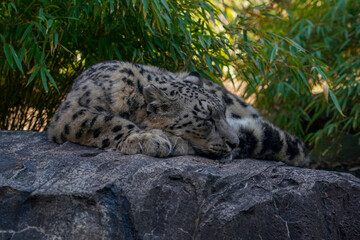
x: 45, y: 44
x: 306, y: 69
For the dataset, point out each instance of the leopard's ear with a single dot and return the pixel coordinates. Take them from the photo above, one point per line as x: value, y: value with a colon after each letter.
x: 194, y: 78
x: 157, y: 101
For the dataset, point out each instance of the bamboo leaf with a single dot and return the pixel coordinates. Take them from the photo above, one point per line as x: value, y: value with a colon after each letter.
x: 22, y: 55
x: 260, y: 66
x: 303, y: 78
x: 273, y: 52
x: 33, y: 75
x: 173, y: 54
x: 165, y: 5
x: 51, y: 79
x: 208, y: 62
x: 56, y: 39
x: 13, y: 5
x: 43, y: 79
x: 8, y: 55
x: 26, y: 32
x: 202, y: 42
x: 324, y: 74
x: 146, y: 5
x: 16, y: 59
x: 111, y: 6
x: 49, y: 24
x: 290, y: 87
x: 117, y: 53
x: 336, y: 103
x: 294, y: 44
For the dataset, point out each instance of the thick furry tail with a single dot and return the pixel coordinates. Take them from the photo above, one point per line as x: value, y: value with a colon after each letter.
x: 262, y: 140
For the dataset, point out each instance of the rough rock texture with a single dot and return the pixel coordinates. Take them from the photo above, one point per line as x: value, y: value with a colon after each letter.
x: 48, y: 191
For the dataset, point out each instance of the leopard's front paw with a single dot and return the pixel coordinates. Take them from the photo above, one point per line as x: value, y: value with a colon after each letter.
x: 151, y: 142
x: 181, y: 147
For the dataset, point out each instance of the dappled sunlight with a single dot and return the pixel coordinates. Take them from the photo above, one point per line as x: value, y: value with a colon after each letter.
x: 27, y: 119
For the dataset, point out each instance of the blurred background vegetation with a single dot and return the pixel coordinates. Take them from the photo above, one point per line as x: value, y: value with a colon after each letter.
x: 297, y: 61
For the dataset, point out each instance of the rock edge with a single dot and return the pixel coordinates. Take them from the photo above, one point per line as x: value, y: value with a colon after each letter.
x: 50, y: 191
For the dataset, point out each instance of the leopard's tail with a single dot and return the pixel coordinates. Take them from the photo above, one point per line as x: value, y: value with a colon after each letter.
x: 262, y: 140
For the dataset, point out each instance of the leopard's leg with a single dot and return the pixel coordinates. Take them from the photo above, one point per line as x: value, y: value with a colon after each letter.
x: 79, y: 125
x: 262, y: 140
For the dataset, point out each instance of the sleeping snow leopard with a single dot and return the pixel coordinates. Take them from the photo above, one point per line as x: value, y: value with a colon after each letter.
x: 134, y: 108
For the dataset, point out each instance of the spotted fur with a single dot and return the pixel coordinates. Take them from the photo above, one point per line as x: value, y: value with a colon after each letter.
x: 135, y: 108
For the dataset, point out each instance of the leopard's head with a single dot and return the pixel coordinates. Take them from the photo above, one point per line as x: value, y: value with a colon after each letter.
x: 189, y: 111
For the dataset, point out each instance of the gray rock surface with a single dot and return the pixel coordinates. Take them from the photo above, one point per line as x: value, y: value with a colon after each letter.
x: 50, y: 191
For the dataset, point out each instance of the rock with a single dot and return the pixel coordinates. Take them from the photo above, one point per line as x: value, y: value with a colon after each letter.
x: 50, y: 191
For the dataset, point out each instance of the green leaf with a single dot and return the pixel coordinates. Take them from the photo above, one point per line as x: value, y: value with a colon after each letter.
x: 49, y: 24
x: 41, y: 15
x: 303, y: 78
x: 51, y: 79
x: 157, y: 5
x: 289, y: 86
x: 318, y: 61
x: 270, y: 15
x: 344, y: 44
x: 22, y: 55
x: 33, y: 75
x: 111, y: 6
x: 146, y: 5
x: 8, y: 55
x: 208, y: 62
x: 324, y: 74
x: 260, y: 66
x: 178, y: 50
x: 335, y: 101
x: 26, y: 32
x: 9, y: 9
x: 294, y: 44
x: 16, y: 58
x: 56, y: 39
x: 165, y: 5
x: 117, y: 52
x: 217, y: 66
x: 173, y: 53
x: 43, y: 79
x: 247, y: 49
x: 202, y: 42
x: 13, y: 5
x: 273, y: 52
